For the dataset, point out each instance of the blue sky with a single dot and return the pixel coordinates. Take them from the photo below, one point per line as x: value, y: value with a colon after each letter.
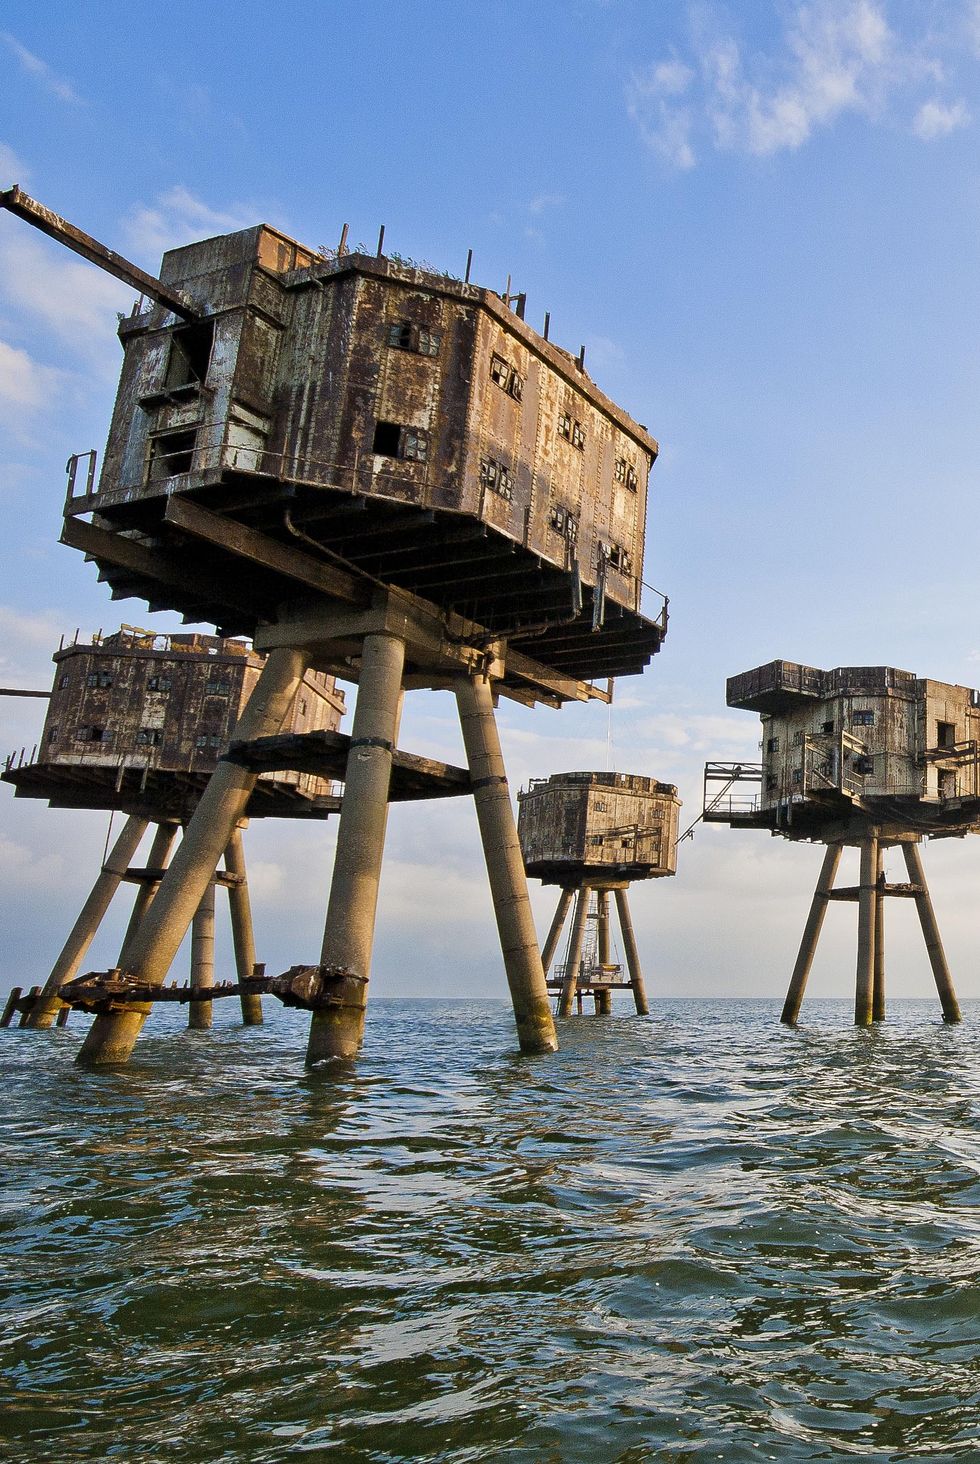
x: 762, y: 220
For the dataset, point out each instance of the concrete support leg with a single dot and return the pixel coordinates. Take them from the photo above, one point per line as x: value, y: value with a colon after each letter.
x: 867, y: 900
x: 569, y: 989
x: 603, y: 999
x: 811, y: 935
x: 200, y: 1014
x: 505, y: 867
x: 159, y: 858
x: 89, y: 919
x: 603, y: 1003
x: 112, y: 1036
x: 878, y: 986
x: 348, y: 937
x: 32, y: 996
x: 240, y: 908
x: 930, y: 931
x: 632, y: 955
x: 557, y: 926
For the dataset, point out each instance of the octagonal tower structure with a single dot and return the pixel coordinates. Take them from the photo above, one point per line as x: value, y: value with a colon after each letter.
x: 593, y: 834
x: 864, y: 756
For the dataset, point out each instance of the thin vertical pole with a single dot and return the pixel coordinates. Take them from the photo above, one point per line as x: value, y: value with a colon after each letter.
x: 200, y: 1014
x: 557, y: 926
x: 505, y: 866
x: 240, y: 909
x: 930, y: 932
x: 811, y: 935
x: 632, y: 955
x: 90, y: 918
x: 158, y: 858
x: 603, y: 998
x: 348, y: 937
x: 863, y: 986
x: 112, y: 1036
x: 569, y: 988
x: 878, y: 988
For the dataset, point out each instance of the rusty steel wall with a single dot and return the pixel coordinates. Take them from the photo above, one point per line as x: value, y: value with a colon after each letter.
x: 803, y: 754
x: 623, y: 824
x: 302, y: 369
x: 181, y: 724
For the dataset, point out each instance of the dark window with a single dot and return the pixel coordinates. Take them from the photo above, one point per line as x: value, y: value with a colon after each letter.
x: 563, y: 521
x: 507, y: 377
x: 797, y: 738
x: 218, y: 688
x: 496, y: 477
x: 91, y: 734
x: 201, y: 740
x: 578, y: 436
x: 393, y: 440
x: 171, y: 453
x: 945, y: 734
x: 797, y: 775
x: 52, y: 734
x: 617, y: 557
x: 565, y: 425
x: 215, y: 741
x: 409, y: 337
x: 100, y: 679
x: 158, y: 683
x: 190, y: 353
x: 864, y: 765
x: 772, y: 745
x: 149, y: 737
x: 770, y: 780
x: 64, y: 681
x: 863, y: 718
x: 625, y: 472
x: 827, y: 728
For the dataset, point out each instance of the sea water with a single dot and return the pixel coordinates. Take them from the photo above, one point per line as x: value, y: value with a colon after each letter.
x: 695, y: 1236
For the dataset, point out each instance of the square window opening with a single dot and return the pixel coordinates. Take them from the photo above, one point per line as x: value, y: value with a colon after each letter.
x: 171, y: 453
x: 190, y: 353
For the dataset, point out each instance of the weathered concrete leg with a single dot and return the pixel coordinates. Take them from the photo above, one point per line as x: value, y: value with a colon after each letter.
x: 878, y: 988
x: 89, y: 919
x: 12, y: 999
x: 811, y: 935
x: 930, y: 931
x: 505, y: 867
x: 32, y: 996
x: 603, y: 999
x: 867, y: 900
x: 557, y: 926
x: 111, y: 1037
x: 240, y: 908
x: 632, y: 955
x: 62, y: 1017
x: 348, y: 937
x: 569, y: 989
x: 200, y: 1014
x: 159, y: 857
x: 604, y: 947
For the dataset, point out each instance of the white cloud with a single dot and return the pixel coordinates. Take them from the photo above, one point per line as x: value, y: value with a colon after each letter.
x: 837, y: 57
x: 543, y: 201
x: 12, y: 170
x: 934, y: 119
x: 26, y: 388
x: 75, y: 300
x: 178, y: 217
x: 40, y: 70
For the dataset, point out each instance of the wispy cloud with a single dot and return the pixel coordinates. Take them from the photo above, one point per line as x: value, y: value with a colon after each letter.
x: 836, y: 57
x: 26, y: 388
x: 12, y: 170
x: 178, y: 217
x: 42, y: 73
x: 935, y: 119
x: 544, y: 201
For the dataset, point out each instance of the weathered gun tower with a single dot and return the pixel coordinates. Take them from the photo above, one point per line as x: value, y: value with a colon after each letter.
x: 384, y: 473
x: 136, y: 723
x: 868, y: 756
x: 593, y: 834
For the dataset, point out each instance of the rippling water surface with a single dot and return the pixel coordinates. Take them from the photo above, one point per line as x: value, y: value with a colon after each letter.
x: 697, y: 1236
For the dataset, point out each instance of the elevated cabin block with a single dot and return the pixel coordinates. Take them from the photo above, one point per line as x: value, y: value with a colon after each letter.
x: 137, y: 722
x: 580, y: 828
x: 850, y: 745
x: 381, y: 416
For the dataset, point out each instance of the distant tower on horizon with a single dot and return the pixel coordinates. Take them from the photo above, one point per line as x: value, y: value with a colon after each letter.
x: 864, y: 756
x: 593, y: 834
